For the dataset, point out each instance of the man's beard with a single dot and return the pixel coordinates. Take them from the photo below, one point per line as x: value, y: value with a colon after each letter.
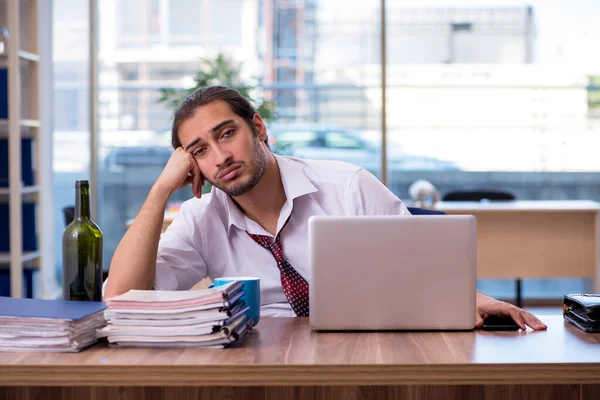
x: 258, y: 165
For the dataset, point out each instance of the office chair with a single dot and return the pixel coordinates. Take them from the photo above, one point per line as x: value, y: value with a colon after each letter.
x: 478, y: 195
x: 68, y: 214
x: 424, y: 211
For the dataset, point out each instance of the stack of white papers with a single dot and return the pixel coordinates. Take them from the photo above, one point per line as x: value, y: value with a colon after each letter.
x: 49, y: 325
x: 213, y: 317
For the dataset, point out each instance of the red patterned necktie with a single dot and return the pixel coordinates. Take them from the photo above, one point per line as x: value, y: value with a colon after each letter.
x: 294, y: 285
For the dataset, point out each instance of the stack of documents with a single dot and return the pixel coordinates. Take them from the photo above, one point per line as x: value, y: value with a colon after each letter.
x: 213, y: 317
x: 49, y: 325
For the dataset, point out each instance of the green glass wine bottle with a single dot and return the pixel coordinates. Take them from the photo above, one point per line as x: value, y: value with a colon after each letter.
x: 82, y: 251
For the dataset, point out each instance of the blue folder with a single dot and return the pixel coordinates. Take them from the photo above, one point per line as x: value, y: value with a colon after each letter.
x: 27, y: 163
x: 29, y: 232
x: 3, y: 93
x: 52, y: 309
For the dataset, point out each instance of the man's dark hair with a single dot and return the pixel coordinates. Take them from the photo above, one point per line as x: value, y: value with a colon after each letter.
x: 201, y: 97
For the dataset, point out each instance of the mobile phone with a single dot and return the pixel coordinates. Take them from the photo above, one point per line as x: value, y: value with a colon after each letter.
x: 496, y: 323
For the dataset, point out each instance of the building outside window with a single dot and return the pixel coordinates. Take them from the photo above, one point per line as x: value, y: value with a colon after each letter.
x: 478, y: 94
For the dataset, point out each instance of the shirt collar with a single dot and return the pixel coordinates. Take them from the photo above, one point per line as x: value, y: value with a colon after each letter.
x: 295, y: 184
x: 294, y: 179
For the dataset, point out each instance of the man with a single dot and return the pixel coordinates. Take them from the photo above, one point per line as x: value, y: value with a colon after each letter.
x: 254, y: 222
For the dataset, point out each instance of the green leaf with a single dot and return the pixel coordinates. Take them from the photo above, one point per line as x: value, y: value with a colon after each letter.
x: 221, y: 71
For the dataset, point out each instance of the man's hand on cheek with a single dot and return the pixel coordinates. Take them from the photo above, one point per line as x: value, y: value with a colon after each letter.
x: 181, y: 170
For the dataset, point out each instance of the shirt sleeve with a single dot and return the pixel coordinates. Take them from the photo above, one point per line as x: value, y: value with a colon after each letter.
x: 179, y: 263
x: 368, y: 196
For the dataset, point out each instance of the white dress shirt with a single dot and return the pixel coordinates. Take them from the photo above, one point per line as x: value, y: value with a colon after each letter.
x: 208, y: 238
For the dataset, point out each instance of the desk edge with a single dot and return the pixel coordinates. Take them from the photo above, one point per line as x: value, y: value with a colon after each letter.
x: 298, y: 375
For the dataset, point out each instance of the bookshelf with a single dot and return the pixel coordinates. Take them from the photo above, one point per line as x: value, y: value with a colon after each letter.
x: 26, y: 191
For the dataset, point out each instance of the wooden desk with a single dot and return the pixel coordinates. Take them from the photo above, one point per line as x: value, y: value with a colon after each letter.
x: 534, y: 239
x: 527, y: 239
x: 283, y: 359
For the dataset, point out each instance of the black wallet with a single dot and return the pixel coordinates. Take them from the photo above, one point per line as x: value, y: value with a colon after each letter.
x: 583, y: 311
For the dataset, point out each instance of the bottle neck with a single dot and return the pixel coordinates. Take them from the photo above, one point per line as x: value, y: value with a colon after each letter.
x: 82, y: 203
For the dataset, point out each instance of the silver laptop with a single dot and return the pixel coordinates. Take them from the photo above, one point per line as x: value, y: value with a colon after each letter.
x: 393, y: 272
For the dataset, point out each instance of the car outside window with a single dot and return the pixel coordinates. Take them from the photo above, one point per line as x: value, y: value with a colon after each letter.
x: 299, y: 138
x: 340, y: 140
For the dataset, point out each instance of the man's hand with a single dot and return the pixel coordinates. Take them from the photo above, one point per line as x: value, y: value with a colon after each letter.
x: 180, y: 171
x: 488, y: 306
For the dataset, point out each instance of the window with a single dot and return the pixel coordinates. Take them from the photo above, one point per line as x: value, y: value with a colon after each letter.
x: 480, y: 86
x: 187, y: 22
x: 285, y: 47
x: 136, y: 24
x: 478, y: 95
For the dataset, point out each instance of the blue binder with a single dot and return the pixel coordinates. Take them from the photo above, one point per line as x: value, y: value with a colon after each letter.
x: 3, y: 93
x: 52, y: 309
x: 29, y: 230
x: 27, y: 171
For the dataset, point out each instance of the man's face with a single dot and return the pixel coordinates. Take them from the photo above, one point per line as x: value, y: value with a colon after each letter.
x: 229, y: 153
